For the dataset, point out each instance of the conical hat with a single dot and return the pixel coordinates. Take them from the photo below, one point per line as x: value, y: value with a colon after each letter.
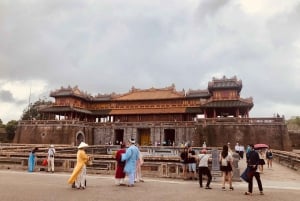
x: 82, y: 145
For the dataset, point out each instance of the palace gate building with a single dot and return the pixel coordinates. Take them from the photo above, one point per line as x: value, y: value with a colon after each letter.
x: 163, y: 116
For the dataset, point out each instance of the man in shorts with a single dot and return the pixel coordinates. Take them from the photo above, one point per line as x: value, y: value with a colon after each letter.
x: 191, y: 163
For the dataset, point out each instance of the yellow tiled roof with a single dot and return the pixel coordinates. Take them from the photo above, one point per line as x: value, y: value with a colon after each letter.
x: 146, y: 94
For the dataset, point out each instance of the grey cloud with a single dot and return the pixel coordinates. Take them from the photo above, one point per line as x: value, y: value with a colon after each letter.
x: 106, y: 47
x: 210, y: 8
x: 284, y: 28
x: 6, y: 96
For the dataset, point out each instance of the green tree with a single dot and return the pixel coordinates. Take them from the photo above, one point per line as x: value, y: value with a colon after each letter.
x: 1, y: 124
x: 297, y: 121
x: 32, y: 112
x: 11, y: 128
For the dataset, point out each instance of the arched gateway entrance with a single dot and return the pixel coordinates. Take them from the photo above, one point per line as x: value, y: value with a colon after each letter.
x: 80, y: 137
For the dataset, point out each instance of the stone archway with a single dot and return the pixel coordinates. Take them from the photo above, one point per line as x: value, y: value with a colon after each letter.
x: 80, y: 137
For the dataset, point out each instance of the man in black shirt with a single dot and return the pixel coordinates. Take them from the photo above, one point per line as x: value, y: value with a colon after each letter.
x: 191, y: 163
x: 184, y: 161
x: 252, y: 163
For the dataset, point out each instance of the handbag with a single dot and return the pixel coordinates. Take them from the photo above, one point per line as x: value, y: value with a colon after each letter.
x: 244, y: 175
x: 248, y: 173
x: 45, y: 162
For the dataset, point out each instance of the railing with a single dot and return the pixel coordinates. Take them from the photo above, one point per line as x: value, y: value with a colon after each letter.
x: 288, y: 159
x: 235, y: 120
x: 207, y: 121
x: 159, y: 161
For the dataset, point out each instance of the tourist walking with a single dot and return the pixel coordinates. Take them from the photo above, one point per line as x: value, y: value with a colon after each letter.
x: 248, y: 149
x: 237, y: 148
x: 51, y: 153
x: 120, y: 174
x: 191, y: 163
x: 130, y: 156
x: 139, y: 163
x: 184, y: 161
x: 32, y: 160
x: 204, y: 158
x: 226, y: 160
x: 269, y: 157
x: 229, y: 148
x: 261, y: 160
x: 242, y: 151
x: 252, y: 164
x: 79, y: 173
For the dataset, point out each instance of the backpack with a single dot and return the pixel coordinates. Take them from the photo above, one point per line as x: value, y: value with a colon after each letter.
x: 224, y: 161
x: 269, y: 155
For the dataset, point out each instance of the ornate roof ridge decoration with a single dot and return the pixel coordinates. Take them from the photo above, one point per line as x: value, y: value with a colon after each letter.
x: 168, y: 88
x: 225, y: 83
x: 67, y: 91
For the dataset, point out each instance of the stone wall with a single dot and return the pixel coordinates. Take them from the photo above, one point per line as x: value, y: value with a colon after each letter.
x: 295, y: 139
x: 52, y: 133
x: 214, y: 133
x: 217, y: 135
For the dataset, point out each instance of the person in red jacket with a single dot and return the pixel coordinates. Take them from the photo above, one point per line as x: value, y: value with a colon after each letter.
x: 120, y: 174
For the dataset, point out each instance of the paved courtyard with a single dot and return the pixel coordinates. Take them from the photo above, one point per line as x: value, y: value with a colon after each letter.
x: 280, y: 183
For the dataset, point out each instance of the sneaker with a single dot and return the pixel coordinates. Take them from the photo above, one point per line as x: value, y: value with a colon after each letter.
x: 231, y: 188
x: 261, y: 193
x: 207, y: 187
x: 223, y: 189
x: 248, y: 193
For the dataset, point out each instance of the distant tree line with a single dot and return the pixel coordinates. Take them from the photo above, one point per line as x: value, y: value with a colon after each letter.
x: 30, y: 113
x: 295, y: 121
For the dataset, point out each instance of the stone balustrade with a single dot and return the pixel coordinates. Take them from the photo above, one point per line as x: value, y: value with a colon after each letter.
x: 207, y: 121
x: 159, y: 161
x: 288, y: 159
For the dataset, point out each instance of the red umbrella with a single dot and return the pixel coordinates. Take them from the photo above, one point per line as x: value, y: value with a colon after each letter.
x: 260, y: 146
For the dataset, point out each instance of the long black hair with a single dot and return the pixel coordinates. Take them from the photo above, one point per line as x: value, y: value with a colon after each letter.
x: 224, y: 151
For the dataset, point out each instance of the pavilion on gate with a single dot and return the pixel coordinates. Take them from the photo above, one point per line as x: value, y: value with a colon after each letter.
x: 220, y: 99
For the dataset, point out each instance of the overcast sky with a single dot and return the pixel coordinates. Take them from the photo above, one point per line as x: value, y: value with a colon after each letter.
x: 109, y: 46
